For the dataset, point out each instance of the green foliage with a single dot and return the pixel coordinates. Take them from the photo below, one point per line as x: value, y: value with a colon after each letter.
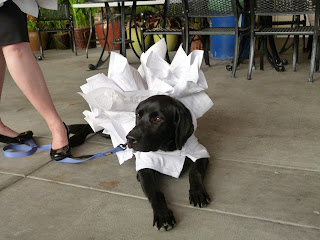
x: 147, y: 12
x: 32, y: 23
x: 153, y: 19
x: 81, y: 16
x: 171, y: 22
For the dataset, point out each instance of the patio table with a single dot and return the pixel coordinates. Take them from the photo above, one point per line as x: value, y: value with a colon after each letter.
x: 114, y: 3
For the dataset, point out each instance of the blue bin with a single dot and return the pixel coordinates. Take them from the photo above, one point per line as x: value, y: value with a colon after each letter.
x: 222, y: 46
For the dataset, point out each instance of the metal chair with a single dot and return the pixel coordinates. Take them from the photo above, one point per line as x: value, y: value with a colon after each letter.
x: 297, y: 21
x: 59, y: 17
x: 204, y: 9
x: 171, y: 8
x: 284, y: 7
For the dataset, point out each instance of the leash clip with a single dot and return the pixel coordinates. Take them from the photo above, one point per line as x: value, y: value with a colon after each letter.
x: 123, y: 146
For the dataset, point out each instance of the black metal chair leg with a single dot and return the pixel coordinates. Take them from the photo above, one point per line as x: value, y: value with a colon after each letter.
x: 295, y: 53
x: 41, y: 48
x: 74, y: 43
x: 143, y: 47
x: 262, y: 52
x: 251, y: 57
x: 167, y: 52
x: 206, y: 42
x: 313, y: 58
x: 236, y: 57
x: 317, y: 56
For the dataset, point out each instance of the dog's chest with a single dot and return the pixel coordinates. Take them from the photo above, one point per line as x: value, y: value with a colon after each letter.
x: 171, y: 163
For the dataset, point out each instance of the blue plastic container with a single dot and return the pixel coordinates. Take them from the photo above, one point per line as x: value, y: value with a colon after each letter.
x: 222, y: 46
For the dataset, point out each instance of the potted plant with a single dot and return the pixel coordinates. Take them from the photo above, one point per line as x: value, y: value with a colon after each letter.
x: 101, y: 30
x: 196, y: 43
x: 61, y: 39
x: 33, y: 34
x: 171, y: 23
x: 141, y: 11
x: 81, y: 20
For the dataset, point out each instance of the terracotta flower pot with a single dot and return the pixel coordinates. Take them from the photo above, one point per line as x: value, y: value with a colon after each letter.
x: 82, y: 37
x: 61, y: 40
x: 196, y: 44
x: 100, y: 35
x: 34, y: 40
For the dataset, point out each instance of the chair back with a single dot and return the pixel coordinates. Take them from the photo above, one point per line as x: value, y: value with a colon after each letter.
x: 59, y: 20
x: 62, y: 13
x: 284, y: 7
x: 174, y: 8
x: 210, y: 8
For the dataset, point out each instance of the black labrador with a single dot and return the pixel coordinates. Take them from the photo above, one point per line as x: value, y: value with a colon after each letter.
x: 164, y: 123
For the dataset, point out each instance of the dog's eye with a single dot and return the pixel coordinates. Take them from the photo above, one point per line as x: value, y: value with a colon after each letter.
x: 158, y: 119
x: 138, y: 116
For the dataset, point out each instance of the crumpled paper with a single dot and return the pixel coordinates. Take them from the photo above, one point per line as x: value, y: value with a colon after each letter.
x: 114, y: 98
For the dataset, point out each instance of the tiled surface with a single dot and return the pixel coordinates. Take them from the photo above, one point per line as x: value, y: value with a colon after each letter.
x: 263, y: 176
x: 8, y: 179
x: 41, y: 210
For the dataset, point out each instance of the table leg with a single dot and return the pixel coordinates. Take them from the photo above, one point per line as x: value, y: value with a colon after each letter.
x: 90, y: 32
x: 123, y: 30
x: 134, y: 19
x: 101, y: 61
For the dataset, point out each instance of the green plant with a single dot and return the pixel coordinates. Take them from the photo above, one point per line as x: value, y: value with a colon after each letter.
x: 171, y: 22
x: 60, y: 24
x: 153, y: 18
x: 81, y: 16
x: 31, y: 23
x: 143, y: 16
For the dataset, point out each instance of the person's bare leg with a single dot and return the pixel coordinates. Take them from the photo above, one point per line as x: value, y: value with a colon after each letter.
x: 4, y: 130
x: 27, y: 74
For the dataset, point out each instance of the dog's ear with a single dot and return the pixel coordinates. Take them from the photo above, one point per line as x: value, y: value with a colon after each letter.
x: 184, y: 126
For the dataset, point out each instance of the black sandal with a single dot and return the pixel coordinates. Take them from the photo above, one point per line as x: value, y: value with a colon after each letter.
x: 61, y: 153
x: 21, y: 138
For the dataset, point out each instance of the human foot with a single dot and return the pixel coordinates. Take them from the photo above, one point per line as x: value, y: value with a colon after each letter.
x: 60, y: 137
x: 58, y: 154
x: 6, y: 131
x: 21, y: 138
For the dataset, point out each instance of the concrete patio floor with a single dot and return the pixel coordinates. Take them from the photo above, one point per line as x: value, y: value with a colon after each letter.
x: 264, y: 175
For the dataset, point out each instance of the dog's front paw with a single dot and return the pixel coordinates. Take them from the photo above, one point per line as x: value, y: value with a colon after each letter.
x: 163, y: 219
x: 199, y: 198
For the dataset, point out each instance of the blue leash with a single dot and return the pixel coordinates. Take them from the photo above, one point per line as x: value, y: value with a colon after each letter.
x: 31, y: 148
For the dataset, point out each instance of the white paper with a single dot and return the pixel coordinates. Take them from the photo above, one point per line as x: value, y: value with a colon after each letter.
x: 114, y: 98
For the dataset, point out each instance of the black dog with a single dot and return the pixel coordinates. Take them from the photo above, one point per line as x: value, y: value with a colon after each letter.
x: 164, y: 123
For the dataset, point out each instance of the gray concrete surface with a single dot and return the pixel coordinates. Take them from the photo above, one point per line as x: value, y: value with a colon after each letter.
x: 264, y: 174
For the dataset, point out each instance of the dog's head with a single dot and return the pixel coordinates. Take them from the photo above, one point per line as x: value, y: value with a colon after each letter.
x: 162, y: 123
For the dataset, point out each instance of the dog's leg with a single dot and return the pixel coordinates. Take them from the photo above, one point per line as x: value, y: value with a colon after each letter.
x: 198, y: 195
x: 162, y: 216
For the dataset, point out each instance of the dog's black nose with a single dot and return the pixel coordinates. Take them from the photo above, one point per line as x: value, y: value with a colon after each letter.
x: 131, y: 139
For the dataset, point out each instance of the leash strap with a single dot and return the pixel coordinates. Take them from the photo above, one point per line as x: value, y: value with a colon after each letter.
x: 24, y: 150
x: 18, y: 150
x: 119, y: 148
